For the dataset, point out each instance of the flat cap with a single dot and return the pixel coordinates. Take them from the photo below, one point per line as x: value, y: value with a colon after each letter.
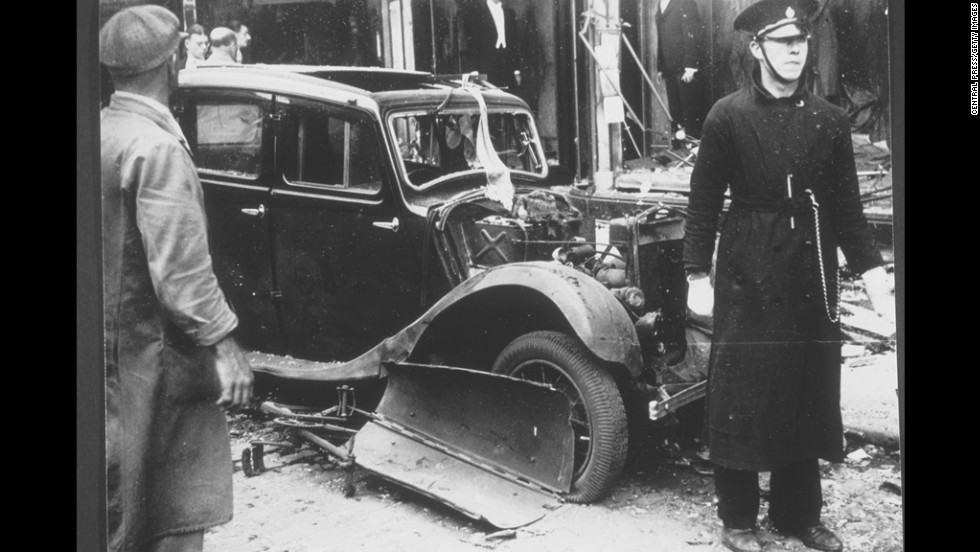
x: 138, y: 39
x: 766, y: 16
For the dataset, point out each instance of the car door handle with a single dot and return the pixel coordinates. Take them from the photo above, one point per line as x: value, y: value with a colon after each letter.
x: 393, y: 225
x: 259, y: 212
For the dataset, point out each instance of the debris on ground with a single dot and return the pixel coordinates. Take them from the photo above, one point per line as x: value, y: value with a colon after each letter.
x: 701, y: 539
x: 891, y: 487
x: 505, y: 534
x: 858, y: 456
x: 863, y: 320
x: 863, y: 500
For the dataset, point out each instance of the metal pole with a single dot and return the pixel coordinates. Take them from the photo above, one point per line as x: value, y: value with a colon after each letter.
x: 578, y: 147
x: 605, y: 73
x: 432, y: 34
x: 646, y: 76
x: 324, y: 444
x: 641, y: 16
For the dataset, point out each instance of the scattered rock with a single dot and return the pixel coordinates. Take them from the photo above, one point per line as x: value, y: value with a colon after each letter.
x: 891, y: 487
x: 872, y: 450
x: 858, y: 456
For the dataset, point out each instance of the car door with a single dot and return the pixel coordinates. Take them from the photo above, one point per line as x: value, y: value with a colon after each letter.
x: 348, y: 272
x: 229, y: 132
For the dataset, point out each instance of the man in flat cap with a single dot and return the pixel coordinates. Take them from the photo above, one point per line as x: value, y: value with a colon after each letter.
x: 773, y: 402
x: 171, y: 360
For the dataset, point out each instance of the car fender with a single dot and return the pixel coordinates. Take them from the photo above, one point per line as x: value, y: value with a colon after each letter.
x: 595, y: 316
x: 592, y: 313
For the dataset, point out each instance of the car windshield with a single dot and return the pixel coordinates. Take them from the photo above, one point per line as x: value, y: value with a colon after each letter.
x: 434, y: 148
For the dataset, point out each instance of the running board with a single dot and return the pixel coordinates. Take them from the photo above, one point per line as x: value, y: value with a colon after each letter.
x: 495, y: 448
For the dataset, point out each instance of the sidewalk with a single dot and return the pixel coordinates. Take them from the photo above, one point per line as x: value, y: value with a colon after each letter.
x: 869, y: 397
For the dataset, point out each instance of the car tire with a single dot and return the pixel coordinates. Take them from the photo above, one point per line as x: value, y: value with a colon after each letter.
x: 598, y: 413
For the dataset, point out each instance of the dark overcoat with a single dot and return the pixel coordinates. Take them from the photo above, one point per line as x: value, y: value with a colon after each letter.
x: 680, y: 46
x: 168, y: 460
x: 478, y: 43
x: 679, y: 36
x: 774, y: 372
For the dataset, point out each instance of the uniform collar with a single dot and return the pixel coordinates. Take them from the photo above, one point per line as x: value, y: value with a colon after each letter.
x: 760, y: 92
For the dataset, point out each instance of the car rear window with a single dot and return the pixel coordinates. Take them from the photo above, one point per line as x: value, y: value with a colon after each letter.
x: 229, y: 138
x: 331, y: 147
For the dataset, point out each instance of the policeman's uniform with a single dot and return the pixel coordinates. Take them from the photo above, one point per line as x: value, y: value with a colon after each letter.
x: 773, y: 401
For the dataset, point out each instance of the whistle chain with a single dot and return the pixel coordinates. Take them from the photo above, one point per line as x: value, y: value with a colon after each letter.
x: 835, y: 317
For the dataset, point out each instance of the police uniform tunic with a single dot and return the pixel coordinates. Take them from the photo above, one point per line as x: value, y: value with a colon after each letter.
x: 774, y: 371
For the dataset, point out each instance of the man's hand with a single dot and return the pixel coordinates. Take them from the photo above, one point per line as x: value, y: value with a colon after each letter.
x: 234, y: 372
x: 700, y: 295
x: 880, y: 291
x: 688, y: 75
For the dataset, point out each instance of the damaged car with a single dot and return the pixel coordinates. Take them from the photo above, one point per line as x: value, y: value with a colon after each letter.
x: 364, y: 218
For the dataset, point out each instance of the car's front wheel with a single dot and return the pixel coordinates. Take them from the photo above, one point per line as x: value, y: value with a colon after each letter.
x: 598, y: 416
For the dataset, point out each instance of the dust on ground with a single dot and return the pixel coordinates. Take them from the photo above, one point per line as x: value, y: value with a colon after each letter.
x: 664, y: 501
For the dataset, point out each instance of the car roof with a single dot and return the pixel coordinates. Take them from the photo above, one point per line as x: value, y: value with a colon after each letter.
x: 378, y: 87
x: 370, y: 79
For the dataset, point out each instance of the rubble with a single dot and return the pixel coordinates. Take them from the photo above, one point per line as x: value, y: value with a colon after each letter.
x: 860, y: 319
x: 891, y: 487
x: 858, y: 456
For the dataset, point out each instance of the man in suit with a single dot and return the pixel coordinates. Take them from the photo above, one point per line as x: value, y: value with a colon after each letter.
x: 244, y: 38
x: 196, y: 45
x: 489, y: 42
x: 679, y: 60
x: 224, y: 48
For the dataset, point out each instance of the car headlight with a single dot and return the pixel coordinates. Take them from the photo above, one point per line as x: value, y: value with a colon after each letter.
x: 632, y: 297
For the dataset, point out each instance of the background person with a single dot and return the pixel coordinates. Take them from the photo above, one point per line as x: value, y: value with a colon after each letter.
x: 773, y: 399
x: 243, y: 36
x: 489, y: 41
x: 171, y: 362
x: 196, y: 47
x: 224, y: 48
x: 680, y: 54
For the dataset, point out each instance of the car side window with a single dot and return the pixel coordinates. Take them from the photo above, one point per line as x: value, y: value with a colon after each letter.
x: 328, y: 147
x: 229, y: 136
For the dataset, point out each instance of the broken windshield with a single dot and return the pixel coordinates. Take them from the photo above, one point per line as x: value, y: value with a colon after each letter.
x: 433, y: 146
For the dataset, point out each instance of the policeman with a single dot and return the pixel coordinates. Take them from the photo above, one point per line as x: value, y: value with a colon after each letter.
x: 773, y: 401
